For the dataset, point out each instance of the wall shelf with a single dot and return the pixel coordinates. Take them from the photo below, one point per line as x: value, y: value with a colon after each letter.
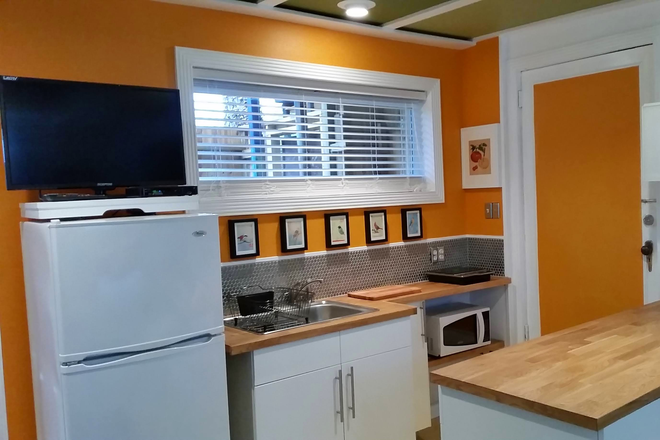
x: 437, y: 362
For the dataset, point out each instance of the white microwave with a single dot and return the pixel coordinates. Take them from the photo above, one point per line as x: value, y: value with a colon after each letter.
x: 456, y: 327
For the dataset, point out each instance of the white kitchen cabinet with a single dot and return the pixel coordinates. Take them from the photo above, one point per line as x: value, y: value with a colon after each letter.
x: 421, y: 384
x: 378, y: 401
x: 358, y: 386
x: 296, y: 407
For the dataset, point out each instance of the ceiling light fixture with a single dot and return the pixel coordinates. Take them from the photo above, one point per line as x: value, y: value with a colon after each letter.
x: 356, y: 8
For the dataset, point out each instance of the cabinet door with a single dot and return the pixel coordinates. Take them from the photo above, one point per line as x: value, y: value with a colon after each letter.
x: 421, y: 386
x: 379, y: 398
x: 300, y: 408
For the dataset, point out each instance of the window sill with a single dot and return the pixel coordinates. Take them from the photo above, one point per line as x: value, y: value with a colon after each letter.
x: 273, y: 204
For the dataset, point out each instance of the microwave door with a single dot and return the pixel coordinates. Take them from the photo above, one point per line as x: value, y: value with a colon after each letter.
x: 460, y: 334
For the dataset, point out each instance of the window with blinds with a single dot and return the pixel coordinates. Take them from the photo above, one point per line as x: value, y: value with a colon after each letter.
x: 248, y: 132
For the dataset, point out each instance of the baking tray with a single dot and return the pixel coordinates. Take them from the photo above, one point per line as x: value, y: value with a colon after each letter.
x: 461, y: 275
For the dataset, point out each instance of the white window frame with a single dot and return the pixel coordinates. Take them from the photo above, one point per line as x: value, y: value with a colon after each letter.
x: 297, y: 74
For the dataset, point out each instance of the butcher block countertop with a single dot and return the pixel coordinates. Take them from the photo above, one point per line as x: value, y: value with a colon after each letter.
x: 239, y: 341
x: 431, y: 290
x: 591, y: 375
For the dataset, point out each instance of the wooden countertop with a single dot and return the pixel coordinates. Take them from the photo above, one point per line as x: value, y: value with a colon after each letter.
x: 438, y: 290
x: 591, y: 375
x: 239, y: 341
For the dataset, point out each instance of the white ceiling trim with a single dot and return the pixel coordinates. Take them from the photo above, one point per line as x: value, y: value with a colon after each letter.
x: 589, y: 12
x: 270, y: 3
x: 327, y: 23
x: 424, y: 14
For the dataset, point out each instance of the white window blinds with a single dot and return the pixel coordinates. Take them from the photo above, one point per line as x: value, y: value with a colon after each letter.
x: 249, y: 133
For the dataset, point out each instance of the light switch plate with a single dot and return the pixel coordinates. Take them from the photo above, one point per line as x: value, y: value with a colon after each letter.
x: 496, y: 210
x: 488, y: 210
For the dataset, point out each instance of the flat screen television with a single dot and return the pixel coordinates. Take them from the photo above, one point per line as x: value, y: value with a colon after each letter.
x: 65, y: 134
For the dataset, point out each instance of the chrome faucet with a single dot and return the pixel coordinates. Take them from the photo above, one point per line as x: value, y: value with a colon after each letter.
x: 304, y: 286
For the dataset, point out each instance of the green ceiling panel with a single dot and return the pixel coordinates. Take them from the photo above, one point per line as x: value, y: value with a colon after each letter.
x: 384, y: 11
x: 488, y: 16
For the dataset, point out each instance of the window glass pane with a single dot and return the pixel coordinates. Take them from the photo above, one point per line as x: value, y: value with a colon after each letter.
x: 251, y: 132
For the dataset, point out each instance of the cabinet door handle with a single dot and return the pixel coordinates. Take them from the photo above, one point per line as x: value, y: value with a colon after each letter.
x: 422, y: 318
x: 341, y: 396
x: 352, y: 374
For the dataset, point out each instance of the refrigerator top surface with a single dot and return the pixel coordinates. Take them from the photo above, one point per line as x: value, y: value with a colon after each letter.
x: 122, y: 220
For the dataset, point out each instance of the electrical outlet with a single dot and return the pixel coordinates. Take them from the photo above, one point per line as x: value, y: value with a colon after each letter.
x: 488, y: 210
x: 441, y: 253
x: 434, y: 255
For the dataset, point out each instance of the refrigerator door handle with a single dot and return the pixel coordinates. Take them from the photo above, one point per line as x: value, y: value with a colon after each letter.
x: 91, y: 362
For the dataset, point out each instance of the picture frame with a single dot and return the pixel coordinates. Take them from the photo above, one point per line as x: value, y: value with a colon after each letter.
x: 480, y: 156
x: 411, y: 222
x: 293, y: 233
x: 375, y: 226
x: 337, y: 230
x: 243, y: 238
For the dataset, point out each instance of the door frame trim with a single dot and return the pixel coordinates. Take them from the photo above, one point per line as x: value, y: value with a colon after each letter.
x: 511, y: 69
x: 640, y: 57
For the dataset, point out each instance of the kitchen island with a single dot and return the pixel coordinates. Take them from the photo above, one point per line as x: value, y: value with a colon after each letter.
x: 597, y: 381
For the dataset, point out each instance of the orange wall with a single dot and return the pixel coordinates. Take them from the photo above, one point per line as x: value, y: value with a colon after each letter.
x: 589, y: 235
x: 480, y: 105
x: 480, y: 97
x: 132, y: 42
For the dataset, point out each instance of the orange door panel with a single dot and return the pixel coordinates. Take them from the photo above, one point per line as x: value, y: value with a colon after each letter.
x: 588, y: 175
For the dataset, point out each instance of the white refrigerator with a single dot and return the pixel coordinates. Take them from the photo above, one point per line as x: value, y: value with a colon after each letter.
x: 126, y: 328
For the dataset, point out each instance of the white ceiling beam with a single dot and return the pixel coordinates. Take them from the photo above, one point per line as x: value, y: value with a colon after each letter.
x: 270, y: 3
x: 424, y: 14
x: 334, y: 24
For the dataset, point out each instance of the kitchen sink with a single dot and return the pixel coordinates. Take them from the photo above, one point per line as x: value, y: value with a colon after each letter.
x: 321, y: 311
x: 318, y: 311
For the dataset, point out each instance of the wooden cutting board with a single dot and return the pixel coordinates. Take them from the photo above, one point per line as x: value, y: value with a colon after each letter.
x: 385, y: 292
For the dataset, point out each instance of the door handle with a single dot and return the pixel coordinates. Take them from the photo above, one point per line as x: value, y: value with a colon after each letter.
x: 647, y: 251
x: 352, y: 375
x: 341, y: 396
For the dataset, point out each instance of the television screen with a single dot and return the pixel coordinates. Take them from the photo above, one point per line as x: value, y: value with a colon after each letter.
x: 63, y: 134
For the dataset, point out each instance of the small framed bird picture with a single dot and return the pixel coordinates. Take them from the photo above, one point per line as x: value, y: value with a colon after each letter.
x: 411, y: 219
x: 293, y: 233
x: 337, y: 230
x: 244, y: 238
x: 375, y: 223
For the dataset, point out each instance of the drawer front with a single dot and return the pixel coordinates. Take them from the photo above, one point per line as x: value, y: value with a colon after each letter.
x: 375, y: 339
x: 295, y: 358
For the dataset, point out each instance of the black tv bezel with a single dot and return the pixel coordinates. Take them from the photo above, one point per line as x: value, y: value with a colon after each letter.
x: 83, y: 185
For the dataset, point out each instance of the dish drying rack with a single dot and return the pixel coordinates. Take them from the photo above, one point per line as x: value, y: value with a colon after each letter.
x: 288, y: 308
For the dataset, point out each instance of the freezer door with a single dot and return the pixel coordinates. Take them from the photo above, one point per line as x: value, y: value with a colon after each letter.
x: 130, y: 282
x: 170, y: 394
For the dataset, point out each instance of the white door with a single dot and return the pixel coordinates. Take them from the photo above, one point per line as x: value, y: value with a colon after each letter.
x: 377, y: 397
x: 126, y: 282
x: 576, y: 229
x: 171, y: 394
x: 303, y: 407
x: 421, y: 384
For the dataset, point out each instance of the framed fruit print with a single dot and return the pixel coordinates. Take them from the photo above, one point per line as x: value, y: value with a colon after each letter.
x: 411, y: 220
x: 375, y: 224
x: 480, y: 153
x: 337, y: 230
x: 244, y: 238
x: 293, y: 233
